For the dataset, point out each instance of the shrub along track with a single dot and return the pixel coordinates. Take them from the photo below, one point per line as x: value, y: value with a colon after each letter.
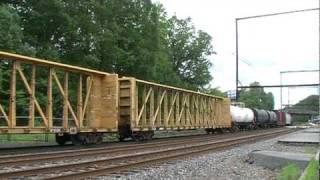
x: 123, y: 157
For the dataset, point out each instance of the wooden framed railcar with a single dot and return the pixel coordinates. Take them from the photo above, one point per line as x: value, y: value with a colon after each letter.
x: 80, y: 104
x: 146, y: 106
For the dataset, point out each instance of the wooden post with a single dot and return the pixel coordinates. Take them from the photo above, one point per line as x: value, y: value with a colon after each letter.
x: 135, y: 116
x: 49, y: 102
x: 79, y: 102
x: 143, y: 100
x: 177, y: 110
x: 151, y: 124
x: 65, y: 101
x: 165, y: 109
x: 159, y: 109
x: 32, y: 96
x: 12, y: 102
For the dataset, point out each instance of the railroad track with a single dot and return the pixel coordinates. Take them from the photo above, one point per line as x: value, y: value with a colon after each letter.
x: 123, y: 157
x: 48, y: 148
x: 114, y: 149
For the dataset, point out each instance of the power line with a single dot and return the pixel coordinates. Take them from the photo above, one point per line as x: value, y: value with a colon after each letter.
x: 276, y: 14
x: 267, y: 15
x: 279, y: 86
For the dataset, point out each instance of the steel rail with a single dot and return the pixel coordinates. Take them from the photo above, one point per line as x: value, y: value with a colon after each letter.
x: 61, y: 155
x: 143, y: 162
x: 127, y: 158
x: 165, y: 156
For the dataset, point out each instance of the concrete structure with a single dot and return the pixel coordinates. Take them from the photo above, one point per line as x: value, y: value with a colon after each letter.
x: 277, y: 160
x: 310, y: 136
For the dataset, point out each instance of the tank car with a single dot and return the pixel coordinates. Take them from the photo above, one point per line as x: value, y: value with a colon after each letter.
x: 242, y: 118
x: 273, y: 119
x: 261, y: 118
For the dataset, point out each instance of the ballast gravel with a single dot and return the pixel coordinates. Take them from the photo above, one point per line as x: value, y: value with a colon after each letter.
x: 223, y: 165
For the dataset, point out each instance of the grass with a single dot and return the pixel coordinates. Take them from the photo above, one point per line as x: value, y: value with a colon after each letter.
x: 312, y: 171
x: 290, y: 172
x: 34, y: 138
x: 17, y: 138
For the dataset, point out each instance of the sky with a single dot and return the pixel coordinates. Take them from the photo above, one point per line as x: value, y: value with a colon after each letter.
x: 267, y: 45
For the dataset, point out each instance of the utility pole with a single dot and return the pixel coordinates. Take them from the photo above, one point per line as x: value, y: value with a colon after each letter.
x: 268, y: 15
x: 319, y: 59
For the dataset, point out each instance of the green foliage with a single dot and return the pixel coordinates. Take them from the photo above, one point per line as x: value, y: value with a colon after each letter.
x: 312, y: 171
x: 131, y: 38
x: 290, y: 172
x: 214, y: 91
x: 188, y: 52
x: 257, y: 98
x: 23, y: 138
x: 309, y: 103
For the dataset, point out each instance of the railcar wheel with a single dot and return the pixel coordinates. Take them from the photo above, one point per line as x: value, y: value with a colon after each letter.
x: 138, y: 137
x: 77, y: 139
x: 121, y: 138
x: 61, y: 140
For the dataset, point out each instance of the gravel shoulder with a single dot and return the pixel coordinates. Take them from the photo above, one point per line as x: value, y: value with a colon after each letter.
x: 224, y: 165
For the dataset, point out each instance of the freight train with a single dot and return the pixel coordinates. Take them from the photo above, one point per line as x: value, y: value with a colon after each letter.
x: 81, y: 105
x: 251, y: 118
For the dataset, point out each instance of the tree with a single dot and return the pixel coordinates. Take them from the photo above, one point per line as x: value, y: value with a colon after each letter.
x: 257, y: 98
x: 131, y: 38
x: 188, y: 52
x: 214, y: 91
x: 309, y: 103
x: 11, y: 40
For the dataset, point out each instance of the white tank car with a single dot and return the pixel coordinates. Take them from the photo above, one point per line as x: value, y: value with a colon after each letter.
x: 241, y: 115
x: 288, y: 119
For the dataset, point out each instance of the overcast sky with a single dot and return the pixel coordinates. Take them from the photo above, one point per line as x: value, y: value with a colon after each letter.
x: 266, y: 45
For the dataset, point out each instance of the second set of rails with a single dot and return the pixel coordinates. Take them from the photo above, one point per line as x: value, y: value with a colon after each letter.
x: 84, y: 163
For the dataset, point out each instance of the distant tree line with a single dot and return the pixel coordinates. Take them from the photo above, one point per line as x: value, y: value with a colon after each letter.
x: 257, y: 97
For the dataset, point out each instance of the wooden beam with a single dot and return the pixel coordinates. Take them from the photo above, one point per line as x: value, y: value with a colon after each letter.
x: 176, y: 122
x: 29, y: 89
x: 136, y: 113
x: 49, y: 101
x: 32, y: 96
x: 151, y: 110
x: 50, y: 64
x: 12, y: 101
x: 165, y: 109
x: 184, y: 100
x: 4, y: 114
x: 65, y: 117
x: 173, y: 100
x: 64, y: 93
x: 145, y: 100
x: 86, y: 101
x: 79, y: 102
x: 158, y: 110
x: 177, y: 89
